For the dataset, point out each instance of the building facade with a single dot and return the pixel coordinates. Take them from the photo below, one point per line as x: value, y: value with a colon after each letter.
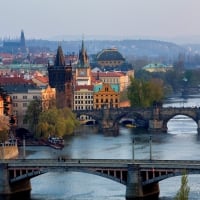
x: 110, y: 58
x: 83, y: 97
x: 1, y: 106
x: 22, y: 95
x: 106, y: 96
x: 60, y: 78
x: 83, y: 69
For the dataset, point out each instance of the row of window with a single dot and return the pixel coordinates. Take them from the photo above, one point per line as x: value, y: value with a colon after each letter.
x: 106, y: 100
x: 23, y: 105
x: 25, y: 97
x: 83, y: 102
x: 83, y: 107
x: 81, y: 97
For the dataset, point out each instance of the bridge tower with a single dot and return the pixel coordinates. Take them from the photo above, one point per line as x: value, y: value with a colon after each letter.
x: 135, y: 189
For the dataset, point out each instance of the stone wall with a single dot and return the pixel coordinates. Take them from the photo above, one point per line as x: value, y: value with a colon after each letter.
x: 8, y: 151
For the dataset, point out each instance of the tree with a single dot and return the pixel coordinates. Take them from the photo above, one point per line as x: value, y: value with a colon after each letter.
x: 144, y: 93
x: 184, y: 190
x: 32, y: 114
x: 56, y: 122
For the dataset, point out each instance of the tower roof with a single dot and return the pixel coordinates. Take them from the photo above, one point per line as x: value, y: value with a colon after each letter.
x: 60, y: 59
x: 83, y: 57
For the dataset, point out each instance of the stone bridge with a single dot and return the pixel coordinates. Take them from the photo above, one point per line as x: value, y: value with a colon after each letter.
x: 141, y: 177
x: 155, y: 118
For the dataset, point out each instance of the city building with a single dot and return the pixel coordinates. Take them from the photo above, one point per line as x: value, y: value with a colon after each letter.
x: 106, y: 96
x: 83, y: 69
x: 22, y: 94
x: 120, y: 78
x: 83, y: 97
x: 110, y: 58
x: 60, y: 78
x: 1, y: 106
x: 157, y: 67
x: 14, y: 46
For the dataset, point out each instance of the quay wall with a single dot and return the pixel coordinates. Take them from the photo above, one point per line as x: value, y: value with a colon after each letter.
x: 8, y: 151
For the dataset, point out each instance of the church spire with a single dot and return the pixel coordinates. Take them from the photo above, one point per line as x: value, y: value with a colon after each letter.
x: 22, y: 39
x: 83, y: 57
x: 60, y: 59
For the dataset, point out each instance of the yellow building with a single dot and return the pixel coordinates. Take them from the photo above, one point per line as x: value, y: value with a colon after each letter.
x: 1, y: 106
x: 120, y: 78
x: 106, y: 96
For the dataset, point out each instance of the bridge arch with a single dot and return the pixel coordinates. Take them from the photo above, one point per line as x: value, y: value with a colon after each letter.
x: 114, y: 175
x: 180, y: 118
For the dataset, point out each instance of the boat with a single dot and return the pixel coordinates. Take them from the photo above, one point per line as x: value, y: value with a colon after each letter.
x: 56, y: 142
x: 130, y: 125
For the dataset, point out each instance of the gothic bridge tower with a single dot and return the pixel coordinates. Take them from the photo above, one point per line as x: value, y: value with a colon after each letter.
x: 60, y: 77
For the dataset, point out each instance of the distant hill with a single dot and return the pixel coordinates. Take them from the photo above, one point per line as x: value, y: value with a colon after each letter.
x: 148, y: 48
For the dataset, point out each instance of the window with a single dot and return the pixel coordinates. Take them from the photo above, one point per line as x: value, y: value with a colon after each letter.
x: 24, y: 97
x: 34, y: 97
x: 15, y: 104
x: 14, y: 97
x: 24, y: 104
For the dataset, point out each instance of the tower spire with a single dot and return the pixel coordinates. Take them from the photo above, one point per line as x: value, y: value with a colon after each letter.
x: 60, y: 59
x: 83, y: 57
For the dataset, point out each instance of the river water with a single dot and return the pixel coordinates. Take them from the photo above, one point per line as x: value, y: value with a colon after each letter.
x: 180, y: 142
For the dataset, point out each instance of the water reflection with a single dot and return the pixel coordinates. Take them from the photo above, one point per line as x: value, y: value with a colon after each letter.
x: 180, y: 142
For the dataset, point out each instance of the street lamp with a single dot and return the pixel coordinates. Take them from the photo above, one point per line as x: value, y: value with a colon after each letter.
x: 133, y: 148
x: 150, y: 146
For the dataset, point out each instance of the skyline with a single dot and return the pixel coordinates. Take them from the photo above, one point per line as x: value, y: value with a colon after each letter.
x: 125, y: 19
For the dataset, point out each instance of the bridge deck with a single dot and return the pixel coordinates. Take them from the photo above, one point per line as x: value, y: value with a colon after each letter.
x: 113, y: 163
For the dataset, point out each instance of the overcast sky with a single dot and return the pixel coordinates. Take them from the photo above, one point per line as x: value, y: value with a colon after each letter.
x: 126, y: 18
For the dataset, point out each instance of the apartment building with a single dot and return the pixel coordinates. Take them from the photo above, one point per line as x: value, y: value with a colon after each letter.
x: 83, y: 97
x: 21, y: 95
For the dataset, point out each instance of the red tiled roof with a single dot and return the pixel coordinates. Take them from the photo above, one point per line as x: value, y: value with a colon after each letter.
x: 13, y: 80
x: 80, y: 87
x: 108, y: 74
x: 43, y: 79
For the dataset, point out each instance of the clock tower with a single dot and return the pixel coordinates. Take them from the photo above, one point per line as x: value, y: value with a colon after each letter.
x: 83, y: 70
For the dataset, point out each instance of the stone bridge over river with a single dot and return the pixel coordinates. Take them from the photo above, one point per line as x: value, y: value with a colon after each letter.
x: 141, y: 177
x: 155, y: 118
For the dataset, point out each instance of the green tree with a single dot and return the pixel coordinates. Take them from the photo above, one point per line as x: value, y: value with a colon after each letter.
x: 32, y: 114
x: 183, y: 193
x: 144, y: 93
x: 58, y: 122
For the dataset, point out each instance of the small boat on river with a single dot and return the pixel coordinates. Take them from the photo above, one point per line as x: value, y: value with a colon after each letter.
x: 56, y: 142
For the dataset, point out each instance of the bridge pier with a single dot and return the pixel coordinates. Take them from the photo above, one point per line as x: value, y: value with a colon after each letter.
x: 134, y: 188
x: 198, y: 126
x: 156, y: 125
x: 107, y: 125
x: 9, y: 189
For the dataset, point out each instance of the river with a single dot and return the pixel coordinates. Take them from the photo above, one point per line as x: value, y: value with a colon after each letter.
x: 180, y: 142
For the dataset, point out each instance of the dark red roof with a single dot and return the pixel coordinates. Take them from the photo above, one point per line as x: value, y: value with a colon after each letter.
x: 13, y: 81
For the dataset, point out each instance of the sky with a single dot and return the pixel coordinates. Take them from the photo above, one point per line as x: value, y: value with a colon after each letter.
x: 137, y: 19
